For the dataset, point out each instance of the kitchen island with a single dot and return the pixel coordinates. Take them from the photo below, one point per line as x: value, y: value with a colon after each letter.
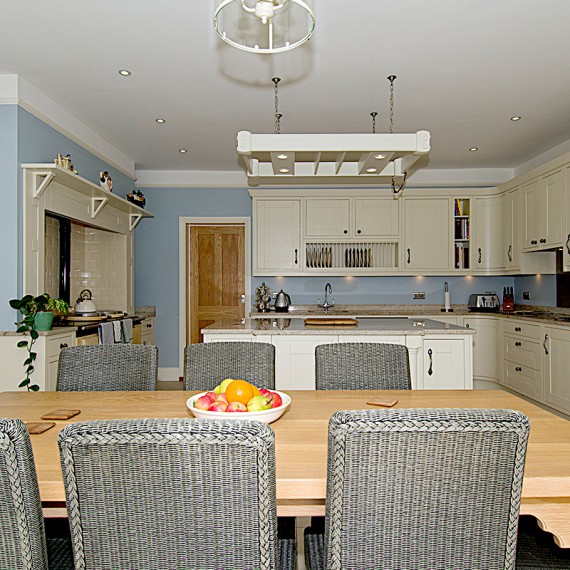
x: 441, y: 354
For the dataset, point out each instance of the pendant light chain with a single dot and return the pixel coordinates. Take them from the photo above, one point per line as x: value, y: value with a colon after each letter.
x: 278, y: 115
x: 397, y: 191
x: 374, y: 114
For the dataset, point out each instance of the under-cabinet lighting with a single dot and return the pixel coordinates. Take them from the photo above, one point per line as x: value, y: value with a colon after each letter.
x: 124, y: 72
x: 282, y: 156
x: 379, y: 156
x: 371, y: 170
x: 284, y: 170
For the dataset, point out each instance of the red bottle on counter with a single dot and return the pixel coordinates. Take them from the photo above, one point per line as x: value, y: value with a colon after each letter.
x: 508, y: 300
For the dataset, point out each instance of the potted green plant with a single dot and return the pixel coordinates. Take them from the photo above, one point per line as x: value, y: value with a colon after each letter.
x: 37, y: 313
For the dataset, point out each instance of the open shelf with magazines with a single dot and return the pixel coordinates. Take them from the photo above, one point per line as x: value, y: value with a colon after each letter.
x: 461, y: 232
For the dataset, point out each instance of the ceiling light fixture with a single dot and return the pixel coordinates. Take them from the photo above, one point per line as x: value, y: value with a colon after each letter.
x: 474, y: 148
x: 160, y: 121
x: 516, y: 118
x: 264, y: 26
x: 124, y: 72
x: 182, y: 150
x: 331, y: 158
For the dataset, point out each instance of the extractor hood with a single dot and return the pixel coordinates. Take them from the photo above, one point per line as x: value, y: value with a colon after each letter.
x: 374, y: 158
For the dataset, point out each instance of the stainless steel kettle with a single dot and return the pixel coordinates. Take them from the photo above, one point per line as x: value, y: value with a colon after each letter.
x: 282, y: 302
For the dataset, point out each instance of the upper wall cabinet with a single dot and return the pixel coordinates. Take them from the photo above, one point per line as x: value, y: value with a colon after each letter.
x: 351, y: 217
x: 488, y: 233
x: 426, y: 234
x: 543, y: 211
x: 277, y: 236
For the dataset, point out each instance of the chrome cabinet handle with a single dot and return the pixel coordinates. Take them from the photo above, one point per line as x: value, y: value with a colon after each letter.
x: 409, y: 255
x: 479, y: 250
x: 518, y: 343
x: 568, y: 244
x: 430, y: 369
x: 63, y: 345
x: 509, y: 253
x: 517, y: 329
x: 544, y: 344
x: 296, y: 259
x: 518, y: 368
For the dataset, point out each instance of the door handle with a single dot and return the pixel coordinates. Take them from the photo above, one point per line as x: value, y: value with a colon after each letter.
x: 544, y: 344
x: 296, y: 259
x: 430, y: 369
x: 568, y: 244
x: 409, y: 252
x: 479, y: 260
x: 510, y: 255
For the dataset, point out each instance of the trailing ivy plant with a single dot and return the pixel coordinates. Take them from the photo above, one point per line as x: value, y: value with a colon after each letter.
x: 28, y: 306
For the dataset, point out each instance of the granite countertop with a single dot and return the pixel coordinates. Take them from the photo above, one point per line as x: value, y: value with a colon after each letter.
x: 366, y: 326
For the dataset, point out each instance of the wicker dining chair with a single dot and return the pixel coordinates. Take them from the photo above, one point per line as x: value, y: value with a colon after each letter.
x: 172, y: 493
x: 108, y: 368
x: 23, y: 544
x: 421, y: 488
x: 206, y: 365
x: 362, y: 366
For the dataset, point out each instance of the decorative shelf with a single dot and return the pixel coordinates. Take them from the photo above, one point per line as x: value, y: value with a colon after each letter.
x: 45, y: 174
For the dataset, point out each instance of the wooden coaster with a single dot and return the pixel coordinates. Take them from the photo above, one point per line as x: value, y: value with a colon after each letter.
x: 387, y: 404
x: 39, y: 427
x: 60, y: 414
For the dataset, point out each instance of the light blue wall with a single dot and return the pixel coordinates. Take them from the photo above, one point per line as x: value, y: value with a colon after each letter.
x: 9, y: 281
x: 542, y: 289
x: 26, y: 139
x: 156, y: 266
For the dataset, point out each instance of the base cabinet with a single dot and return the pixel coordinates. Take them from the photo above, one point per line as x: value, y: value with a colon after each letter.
x: 486, y: 347
x: 147, y: 331
x: 446, y: 364
x: 556, y: 367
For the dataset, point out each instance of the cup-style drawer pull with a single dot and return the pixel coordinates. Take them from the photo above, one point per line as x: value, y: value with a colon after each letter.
x: 518, y: 368
x: 518, y: 343
x: 63, y: 345
x: 517, y: 329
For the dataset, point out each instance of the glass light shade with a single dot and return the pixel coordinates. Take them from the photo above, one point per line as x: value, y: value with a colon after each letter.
x: 264, y: 26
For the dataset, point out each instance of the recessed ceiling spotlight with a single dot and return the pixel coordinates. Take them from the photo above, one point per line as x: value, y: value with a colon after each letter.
x: 282, y: 156
x: 379, y: 156
x: 474, y: 148
x: 124, y: 72
x: 370, y: 170
x: 516, y: 118
x: 284, y: 170
x: 160, y: 121
x: 182, y: 150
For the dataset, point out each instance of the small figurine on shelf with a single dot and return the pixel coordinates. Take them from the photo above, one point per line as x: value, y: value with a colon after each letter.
x: 65, y: 162
x: 137, y: 198
x: 262, y: 298
x: 105, y: 180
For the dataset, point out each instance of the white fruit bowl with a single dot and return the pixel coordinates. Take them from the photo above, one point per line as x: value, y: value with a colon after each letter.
x: 266, y: 416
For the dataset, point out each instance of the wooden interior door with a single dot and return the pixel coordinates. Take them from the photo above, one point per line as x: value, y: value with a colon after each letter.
x: 216, y: 280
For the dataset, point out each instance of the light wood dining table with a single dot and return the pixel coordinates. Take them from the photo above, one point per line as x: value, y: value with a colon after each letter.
x: 301, y: 441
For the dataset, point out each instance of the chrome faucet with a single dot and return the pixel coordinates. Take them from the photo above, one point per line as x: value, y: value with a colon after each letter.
x: 326, y: 304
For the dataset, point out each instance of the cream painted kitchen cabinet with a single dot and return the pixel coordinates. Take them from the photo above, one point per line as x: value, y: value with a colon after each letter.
x: 446, y: 364
x: 277, y: 236
x: 556, y: 349
x: 486, y: 346
x: 147, y: 331
x: 364, y: 217
x: 488, y: 235
x: 512, y: 226
x: 426, y: 234
x: 566, y: 232
x: 543, y: 211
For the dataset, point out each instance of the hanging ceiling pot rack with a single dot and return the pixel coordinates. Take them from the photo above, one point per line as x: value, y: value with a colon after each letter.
x: 331, y: 158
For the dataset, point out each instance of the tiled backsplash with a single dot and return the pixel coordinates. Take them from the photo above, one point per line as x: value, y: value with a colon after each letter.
x: 98, y: 263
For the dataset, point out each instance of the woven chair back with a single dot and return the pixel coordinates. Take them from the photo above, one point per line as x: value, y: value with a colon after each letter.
x: 22, y: 537
x: 170, y: 493
x: 362, y: 366
x: 424, y: 488
x: 206, y: 365
x: 108, y: 368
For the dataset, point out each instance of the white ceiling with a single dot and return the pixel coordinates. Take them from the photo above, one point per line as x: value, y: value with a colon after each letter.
x: 463, y: 67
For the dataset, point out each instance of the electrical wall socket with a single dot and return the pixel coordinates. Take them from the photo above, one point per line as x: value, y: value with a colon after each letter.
x: 419, y: 295
x: 526, y: 295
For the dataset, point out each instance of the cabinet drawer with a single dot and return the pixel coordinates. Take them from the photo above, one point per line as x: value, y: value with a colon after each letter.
x: 523, y: 352
x: 523, y: 379
x: 54, y: 346
x: 522, y: 328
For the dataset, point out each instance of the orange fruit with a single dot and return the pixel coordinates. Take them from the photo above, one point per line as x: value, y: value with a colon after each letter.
x: 239, y: 391
x: 256, y: 391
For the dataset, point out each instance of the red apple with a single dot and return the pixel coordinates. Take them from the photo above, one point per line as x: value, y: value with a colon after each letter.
x: 212, y: 395
x: 203, y: 402
x: 276, y: 400
x: 221, y: 398
x: 218, y: 406
x: 265, y: 392
x: 236, y: 407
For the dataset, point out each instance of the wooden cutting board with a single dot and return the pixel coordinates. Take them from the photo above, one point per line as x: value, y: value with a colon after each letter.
x: 331, y: 321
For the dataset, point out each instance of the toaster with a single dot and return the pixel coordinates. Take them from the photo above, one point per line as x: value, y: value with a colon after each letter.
x: 484, y: 302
